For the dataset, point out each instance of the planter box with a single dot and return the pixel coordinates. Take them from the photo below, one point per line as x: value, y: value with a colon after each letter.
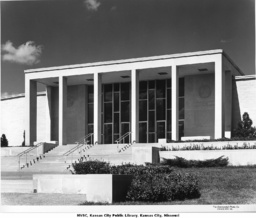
x: 240, y: 157
x: 218, y: 144
x: 97, y: 187
x: 143, y: 154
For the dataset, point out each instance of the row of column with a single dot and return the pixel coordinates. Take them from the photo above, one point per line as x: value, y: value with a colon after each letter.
x: 31, y: 102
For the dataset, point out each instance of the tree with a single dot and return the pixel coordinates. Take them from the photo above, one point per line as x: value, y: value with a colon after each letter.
x: 4, y: 141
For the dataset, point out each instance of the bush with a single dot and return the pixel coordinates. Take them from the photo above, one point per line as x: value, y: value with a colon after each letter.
x: 91, y: 167
x: 245, y: 129
x: 182, y: 162
x: 98, y: 167
x: 4, y: 141
x: 163, y: 187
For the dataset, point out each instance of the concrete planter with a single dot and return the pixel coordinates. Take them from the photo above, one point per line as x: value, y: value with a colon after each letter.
x: 217, y: 144
x: 97, y: 187
x: 143, y: 154
x: 240, y: 157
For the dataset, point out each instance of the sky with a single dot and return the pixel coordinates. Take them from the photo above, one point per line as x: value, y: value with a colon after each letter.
x: 37, y: 34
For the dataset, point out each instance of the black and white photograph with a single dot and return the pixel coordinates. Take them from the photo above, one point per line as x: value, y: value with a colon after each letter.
x: 128, y: 108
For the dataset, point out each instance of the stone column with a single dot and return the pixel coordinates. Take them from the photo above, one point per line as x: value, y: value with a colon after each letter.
x: 97, y: 108
x: 175, y: 103
x: 48, y: 90
x: 31, y: 111
x: 62, y: 110
x: 135, y: 106
x: 219, y: 119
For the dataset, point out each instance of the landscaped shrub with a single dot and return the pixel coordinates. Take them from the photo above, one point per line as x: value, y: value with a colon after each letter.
x: 245, y: 129
x: 163, y: 187
x: 98, y: 167
x: 91, y: 167
x: 182, y: 162
x: 4, y: 141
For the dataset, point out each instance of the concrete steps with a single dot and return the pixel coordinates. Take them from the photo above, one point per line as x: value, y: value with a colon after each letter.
x: 54, y: 161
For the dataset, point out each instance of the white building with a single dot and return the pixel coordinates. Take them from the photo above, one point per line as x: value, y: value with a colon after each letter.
x: 198, y: 94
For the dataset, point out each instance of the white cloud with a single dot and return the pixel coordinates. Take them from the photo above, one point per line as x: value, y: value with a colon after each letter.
x: 27, y: 53
x: 92, y: 5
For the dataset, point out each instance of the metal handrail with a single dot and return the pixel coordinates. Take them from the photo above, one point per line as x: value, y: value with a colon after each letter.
x: 120, y: 139
x: 27, y: 151
x: 83, y: 141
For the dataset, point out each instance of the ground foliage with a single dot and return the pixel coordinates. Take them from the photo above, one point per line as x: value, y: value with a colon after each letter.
x: 184, y: 163
x: 150, y: 183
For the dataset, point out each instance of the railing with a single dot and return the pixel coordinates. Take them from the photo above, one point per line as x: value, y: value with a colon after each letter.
x: 123, y: 137
x: 80, y: 143
x: 26, y: 153
x: 121, y: 140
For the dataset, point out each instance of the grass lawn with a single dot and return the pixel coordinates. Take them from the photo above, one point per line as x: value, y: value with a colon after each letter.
x: 227, y: 185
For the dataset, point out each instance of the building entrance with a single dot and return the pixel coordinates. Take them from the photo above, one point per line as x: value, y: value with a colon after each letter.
x: 154, y: 110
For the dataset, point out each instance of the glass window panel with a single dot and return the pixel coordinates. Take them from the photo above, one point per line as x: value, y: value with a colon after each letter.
x: 108, y: 92
x: 90, y: 128
x: 125, y: 111
x: 169, y: 136
x: 151, y: 96
x: 143, y: 90
x: 90, y: 94
x: 169, y: 83
x: 125, y: 127
x: 116, y: 136
x: 90, y: 113
x: 181, y: 129
x: 116, y: 122
x: 151, y: 138
x: 160, y: 130
x: 181, y: 108
x: 160, y: 109
x: 160, y: 88
x: 125, y: 94
x: 107, y: 112
x: 169, y: 98
x: 169, y: 120
x: 151, y: 121
x: 142, y: 132
x: 116, y: 101
x: 143, y: 110
x: 108, y: 133
x: 116, y: 87
x: 151, y: 84
x: 181, y: 87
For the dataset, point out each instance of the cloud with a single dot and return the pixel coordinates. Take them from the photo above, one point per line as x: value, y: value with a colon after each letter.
x: 27, y: 53
x: 92, y: 5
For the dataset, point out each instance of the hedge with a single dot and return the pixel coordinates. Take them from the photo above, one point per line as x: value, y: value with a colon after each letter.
x: 182, y: 162
x: 163, y: 187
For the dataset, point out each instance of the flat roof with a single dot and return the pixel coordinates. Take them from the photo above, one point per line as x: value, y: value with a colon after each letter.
x: 132, y: 60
